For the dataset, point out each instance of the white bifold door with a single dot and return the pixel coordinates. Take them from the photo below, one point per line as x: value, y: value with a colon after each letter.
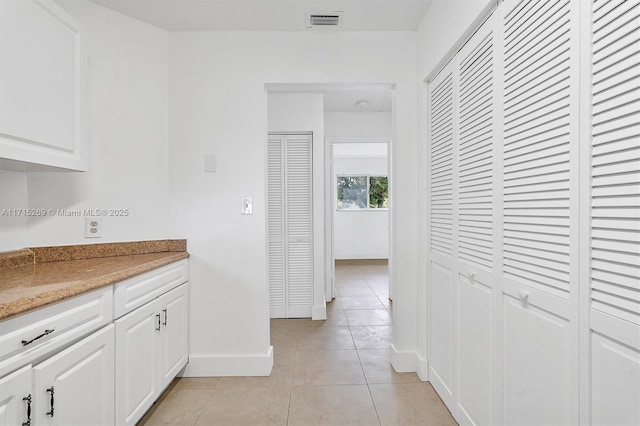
x: 290, y: 225
x: 534, y: 217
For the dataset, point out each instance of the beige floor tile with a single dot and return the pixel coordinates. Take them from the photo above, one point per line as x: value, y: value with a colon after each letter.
x: 283, y: 338
x: 332, y: 405
x: 183, y: 383
x: 335, y: 318
x: 364, y: 302
x: 342, y: 282
x: 178, y: 407
x: 327, y: 368
x: 244, y: 406
x: 410, y: 404
x: 323, y: 338
x: 359, y: 317
x: 372, y: 336
x: 355, y: 292
x: 376, y: 364
x: 289, y: 322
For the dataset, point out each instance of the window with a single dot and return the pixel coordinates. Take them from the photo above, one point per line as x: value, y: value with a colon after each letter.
x: 363, y: 192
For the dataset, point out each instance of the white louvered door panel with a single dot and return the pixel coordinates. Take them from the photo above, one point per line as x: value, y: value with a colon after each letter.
x: 299, y: 226
x: 441, y: 199
x: 275, y: 225
x: 615, y: 211
x: 475, y: 183
x: 540, y: 215
x: 537, y: 126
x: 615, y: 202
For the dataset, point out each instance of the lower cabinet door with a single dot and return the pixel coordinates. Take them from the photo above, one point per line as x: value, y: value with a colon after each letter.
x: 137, y: 335
x: 173, y: 343
x: 16, y: 397
x: 76, y: 386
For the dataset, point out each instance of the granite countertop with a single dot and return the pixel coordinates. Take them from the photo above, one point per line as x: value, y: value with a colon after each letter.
x: 32, y: 278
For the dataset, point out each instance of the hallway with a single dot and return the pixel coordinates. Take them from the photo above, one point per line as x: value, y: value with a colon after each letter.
x: 333, y: 372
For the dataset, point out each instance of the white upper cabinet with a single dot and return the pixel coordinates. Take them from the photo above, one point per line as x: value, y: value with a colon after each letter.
x: 42, y: 87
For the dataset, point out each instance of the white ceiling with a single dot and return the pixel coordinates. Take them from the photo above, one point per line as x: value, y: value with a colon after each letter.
x: 282, y: 15
x: 347, y: 100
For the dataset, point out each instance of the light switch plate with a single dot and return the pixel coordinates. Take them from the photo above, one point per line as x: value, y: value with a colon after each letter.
x: 247, y: 205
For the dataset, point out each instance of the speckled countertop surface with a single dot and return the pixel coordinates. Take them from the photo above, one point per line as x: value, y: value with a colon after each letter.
x: 32, y: 278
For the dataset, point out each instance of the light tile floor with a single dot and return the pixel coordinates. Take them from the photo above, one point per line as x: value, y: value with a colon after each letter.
x: 333, y: 372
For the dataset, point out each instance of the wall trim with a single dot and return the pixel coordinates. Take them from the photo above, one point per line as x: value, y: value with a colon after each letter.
x: 229, y: 365
x: 319, y: 312
x: 423, y: 368
x: 403, y: 361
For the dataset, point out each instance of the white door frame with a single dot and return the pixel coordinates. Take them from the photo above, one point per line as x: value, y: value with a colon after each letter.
x: 330, y: 205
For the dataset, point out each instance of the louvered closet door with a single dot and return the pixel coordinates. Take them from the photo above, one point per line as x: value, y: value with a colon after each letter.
x: 441, y: 196
x: 289, y: 225
x: 615, y: 212
x: 476, y: 236
x: 298, y: 229
x: 275, y: 225
x: 540, y: 151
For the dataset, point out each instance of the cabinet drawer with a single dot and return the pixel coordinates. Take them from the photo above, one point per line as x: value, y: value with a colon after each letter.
x: 137, y: 291
x: 32, y: 335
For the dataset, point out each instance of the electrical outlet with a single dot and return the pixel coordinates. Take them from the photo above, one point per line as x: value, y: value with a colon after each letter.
x: 92, y: 227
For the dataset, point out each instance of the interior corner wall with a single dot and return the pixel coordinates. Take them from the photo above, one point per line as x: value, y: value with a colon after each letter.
x: 218, y: 104
x: 128, y: 137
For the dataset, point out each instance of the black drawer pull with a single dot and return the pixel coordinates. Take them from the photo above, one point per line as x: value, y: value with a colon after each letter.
x: 158, y: 318
x: 50, y: 413
x: 28, y: 399
x: 165, y: 317
x: 46, y: 332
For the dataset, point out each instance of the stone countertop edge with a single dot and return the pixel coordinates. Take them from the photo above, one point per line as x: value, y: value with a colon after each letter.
x: 173, y: 250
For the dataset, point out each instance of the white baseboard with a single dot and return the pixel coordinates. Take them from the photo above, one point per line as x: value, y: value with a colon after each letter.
x: 403, y: 361
x: 319, y: 312
x: 222, y: 366
x: 423, y: 369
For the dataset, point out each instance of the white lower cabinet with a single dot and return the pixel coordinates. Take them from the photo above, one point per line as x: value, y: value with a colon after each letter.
x: 75, y: 386
x: 71, y: 364
x: 16, y: 396
x: 72, y: 387
x: 151, y: 348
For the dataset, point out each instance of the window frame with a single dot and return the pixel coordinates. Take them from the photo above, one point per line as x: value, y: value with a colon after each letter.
x: 368, y: 185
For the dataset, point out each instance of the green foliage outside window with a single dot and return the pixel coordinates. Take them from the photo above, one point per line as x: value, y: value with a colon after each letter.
x: 363, y: 192
x: 378, y: 192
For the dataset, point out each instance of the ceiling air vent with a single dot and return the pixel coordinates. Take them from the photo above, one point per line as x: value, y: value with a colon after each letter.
x: 324, y: 19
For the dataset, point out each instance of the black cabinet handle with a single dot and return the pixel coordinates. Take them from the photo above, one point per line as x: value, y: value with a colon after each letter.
x: 158, y: 318
x: 165, y: 317
x: 28, y: 399
x: 50, y: 413
x: 46, y: 332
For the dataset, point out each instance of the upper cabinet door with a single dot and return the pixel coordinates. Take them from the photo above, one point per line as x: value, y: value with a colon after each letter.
x: 42, y: 87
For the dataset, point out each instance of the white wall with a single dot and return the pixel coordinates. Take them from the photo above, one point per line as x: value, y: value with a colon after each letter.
x: 360, y: 234
x: 442, y: 30
x: 358, y: 124
x: 303, y: 112
x: 218, y: 104
x: 128, y: 137
x: 14, y: 194
x: 444, y: 24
